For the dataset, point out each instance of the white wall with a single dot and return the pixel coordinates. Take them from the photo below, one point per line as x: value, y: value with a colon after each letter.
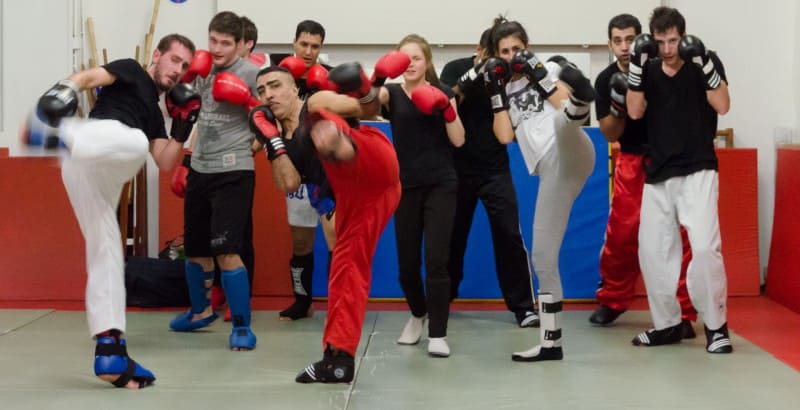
x: 757, y: 41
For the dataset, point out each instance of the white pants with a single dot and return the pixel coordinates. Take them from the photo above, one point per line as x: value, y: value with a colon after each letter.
x: 299, y: 209
x: 563, y: 171
x: 104, y: 155
x: 690, y: 201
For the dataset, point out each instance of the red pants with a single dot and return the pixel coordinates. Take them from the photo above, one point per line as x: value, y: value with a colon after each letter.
x: 619, y: 260
x: 367, y: 192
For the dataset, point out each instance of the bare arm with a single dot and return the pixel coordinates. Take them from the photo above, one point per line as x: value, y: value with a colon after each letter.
x: 502, y: 127
x: 93, y: 78
x: 612, y: 127
x: 166, y: 152
x: 719, y: 98
x: 284, y: 174
x: 636, y: 103
x: 343, y: 105
x: 455, y: 129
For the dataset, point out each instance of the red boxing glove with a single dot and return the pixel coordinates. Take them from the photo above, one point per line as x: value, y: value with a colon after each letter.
x: 317, y: 79
x: 178, y: 185
x: 231, y: 89
x: 391, y: 65
x: 264, y: 126
x: 201, y: 65
x: 258, y: 59
x: 295, y: 65
x: 430, y: 99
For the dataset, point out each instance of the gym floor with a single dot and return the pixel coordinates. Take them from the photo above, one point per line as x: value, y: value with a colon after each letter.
x: 46, y: 363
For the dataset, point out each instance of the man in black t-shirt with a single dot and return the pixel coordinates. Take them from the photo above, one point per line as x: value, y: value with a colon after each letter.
x: 619, y: 261
x: 105, y: 151
x: 483, y: 173
x: 683, y: 91
x: 307, y: 45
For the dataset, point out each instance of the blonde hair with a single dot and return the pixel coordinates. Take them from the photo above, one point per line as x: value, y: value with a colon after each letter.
x: 430, y: 70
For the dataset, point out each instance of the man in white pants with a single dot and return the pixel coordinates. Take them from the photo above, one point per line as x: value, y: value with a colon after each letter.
x: 105, y: 151
x: 683, y: 92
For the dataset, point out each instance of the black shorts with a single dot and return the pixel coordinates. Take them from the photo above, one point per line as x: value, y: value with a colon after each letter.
x: 215, y: 212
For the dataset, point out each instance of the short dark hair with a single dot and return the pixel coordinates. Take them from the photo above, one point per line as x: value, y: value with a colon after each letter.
x: 272, y: 68
x: 249, y: 32
x: 503, y: 28
x: 310, y: 27
x: 623, y: 21
x: 665, y: 18
x: 227, y: 22
x: 166, y: 43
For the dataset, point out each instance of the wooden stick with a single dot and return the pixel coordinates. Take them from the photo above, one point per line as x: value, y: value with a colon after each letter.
x: 92, y: 42
x: 148, y: 39
x: 136, y: 57
x: 105, y: 56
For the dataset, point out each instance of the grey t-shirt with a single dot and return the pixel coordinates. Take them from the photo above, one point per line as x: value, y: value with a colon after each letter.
x: 223, y: 134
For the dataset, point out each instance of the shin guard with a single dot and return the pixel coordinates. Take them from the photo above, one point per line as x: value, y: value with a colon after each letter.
x: 550, y: 333
x: 199, y: 283
x: 237, y: 291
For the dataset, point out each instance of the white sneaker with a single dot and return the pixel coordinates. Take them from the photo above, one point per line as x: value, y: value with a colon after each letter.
x: 437, y: 346
x: 412, y: 331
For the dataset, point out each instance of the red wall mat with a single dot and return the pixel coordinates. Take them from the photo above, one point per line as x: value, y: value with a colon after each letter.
x: 41, y: 245
x: 738, y: 219
x: 783, y: 275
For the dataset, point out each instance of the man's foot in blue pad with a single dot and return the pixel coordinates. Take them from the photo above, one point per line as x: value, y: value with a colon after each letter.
x: 112, y: 364
x: 188, y: 321
x: 335, y: 367
x: 242, y: 339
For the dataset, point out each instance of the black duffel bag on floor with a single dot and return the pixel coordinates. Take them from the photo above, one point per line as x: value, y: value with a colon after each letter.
x: 151, y: 282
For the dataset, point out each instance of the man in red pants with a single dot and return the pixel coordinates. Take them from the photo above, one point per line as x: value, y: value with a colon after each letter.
x: 619, y: 261
x: 361, y: 166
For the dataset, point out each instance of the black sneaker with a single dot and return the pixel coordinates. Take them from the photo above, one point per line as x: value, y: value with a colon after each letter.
x: 301, y: 308
x: 655, y: 337
x: 718, y: 341
x: 527, y: 318
x: 687, y: 331
x: 604, y: 315
x: 331, y: 369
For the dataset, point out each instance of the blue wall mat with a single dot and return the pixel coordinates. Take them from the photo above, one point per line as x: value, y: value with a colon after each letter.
x: 579, y: 253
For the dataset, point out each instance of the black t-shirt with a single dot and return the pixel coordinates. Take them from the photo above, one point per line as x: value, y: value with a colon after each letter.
x: 634, y: 137
x: 301, y: 151
x: 302, y: 88
x: 681, y: 124
x: 421, y: 142
x: 482, y: 154
x: 132, y: 99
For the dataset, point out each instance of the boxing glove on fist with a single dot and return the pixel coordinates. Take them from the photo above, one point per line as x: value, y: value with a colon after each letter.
x: 644, y: 48
x: 618, y: 84
x: 691, y: 49
x: 60, y: 101
x: 200, y: 66
x: 183, y: 106
x: 430, y: 100
x: 229, y: 88
x: 263, y: 125
x: 495, y: 74
x: 525, y: 62
x: 390, y: 65
x: 295, y: 65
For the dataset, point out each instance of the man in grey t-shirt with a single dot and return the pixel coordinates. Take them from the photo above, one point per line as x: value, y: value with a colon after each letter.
x: 220, y: 185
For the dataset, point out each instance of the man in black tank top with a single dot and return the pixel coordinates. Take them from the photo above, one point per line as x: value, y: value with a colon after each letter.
x: 683, y: 90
